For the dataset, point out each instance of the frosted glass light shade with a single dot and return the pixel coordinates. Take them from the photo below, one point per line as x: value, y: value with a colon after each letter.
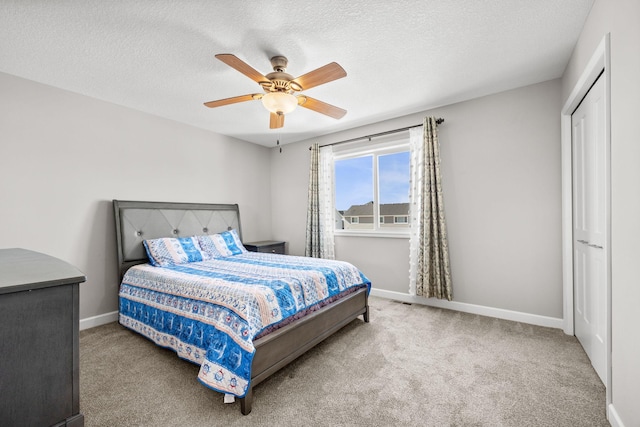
x: 279, y: 102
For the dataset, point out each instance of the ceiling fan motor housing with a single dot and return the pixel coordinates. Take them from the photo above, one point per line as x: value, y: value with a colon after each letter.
x: 279, y: 82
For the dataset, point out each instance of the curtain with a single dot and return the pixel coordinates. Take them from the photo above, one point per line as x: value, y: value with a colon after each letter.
x: 430, y: 274
x: 320, y: 212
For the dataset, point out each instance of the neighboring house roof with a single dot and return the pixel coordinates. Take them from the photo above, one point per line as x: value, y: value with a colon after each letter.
x: 394, y: 209
x: 385, y: 209
x: 360, y: 210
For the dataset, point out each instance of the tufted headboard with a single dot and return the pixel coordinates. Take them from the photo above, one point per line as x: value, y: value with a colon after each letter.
x: 138, y: 221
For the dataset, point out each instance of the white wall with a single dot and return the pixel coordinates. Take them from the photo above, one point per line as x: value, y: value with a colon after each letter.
x: 620, y: 18
x: 501, y: 179
x: 64, y: 157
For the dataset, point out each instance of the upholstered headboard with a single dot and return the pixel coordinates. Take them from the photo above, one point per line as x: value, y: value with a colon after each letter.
x: 138, y: 221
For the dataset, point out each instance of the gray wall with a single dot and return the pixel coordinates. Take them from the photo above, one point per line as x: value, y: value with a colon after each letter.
x: 64, y: 157
x: 501, y: 178
x: 621, y: 18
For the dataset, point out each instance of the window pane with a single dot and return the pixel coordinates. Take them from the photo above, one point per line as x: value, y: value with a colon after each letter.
x: 393, y: 181
x: 354, y: 192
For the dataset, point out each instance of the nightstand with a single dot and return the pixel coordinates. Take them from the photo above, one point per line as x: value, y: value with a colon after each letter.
x: 266, y: 246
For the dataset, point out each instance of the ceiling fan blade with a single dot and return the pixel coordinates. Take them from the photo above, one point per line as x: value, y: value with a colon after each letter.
x: 322, y: 75
x: 233, y: 100
x: 246, y: 69
x: 321, y: 107
x: 276, y: 120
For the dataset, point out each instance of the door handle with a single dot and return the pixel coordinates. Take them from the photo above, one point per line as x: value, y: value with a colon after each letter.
x: 592, y: 245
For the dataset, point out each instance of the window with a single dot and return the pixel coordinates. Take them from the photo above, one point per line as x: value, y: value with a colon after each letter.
x: 371, y: 183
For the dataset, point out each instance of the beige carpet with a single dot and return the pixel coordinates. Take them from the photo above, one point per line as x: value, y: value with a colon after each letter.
x: 412, y: 366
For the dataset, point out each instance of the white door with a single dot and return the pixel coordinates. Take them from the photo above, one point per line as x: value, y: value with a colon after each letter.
x: 590, y: 186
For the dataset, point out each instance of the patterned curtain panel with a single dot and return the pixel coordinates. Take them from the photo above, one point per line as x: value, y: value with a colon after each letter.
x: 320, y: 216
x: 430, y: 274
x: 415, y: 201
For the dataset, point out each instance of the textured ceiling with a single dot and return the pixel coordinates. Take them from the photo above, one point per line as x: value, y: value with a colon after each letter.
x: 400, y: 57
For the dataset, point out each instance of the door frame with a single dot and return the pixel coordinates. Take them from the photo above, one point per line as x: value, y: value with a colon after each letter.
x: 600, y: 62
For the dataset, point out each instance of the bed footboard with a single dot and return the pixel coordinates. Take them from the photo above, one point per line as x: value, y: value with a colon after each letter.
x: 279, y: 348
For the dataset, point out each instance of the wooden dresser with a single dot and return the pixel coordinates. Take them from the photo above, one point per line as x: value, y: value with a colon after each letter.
x: 39, y: 340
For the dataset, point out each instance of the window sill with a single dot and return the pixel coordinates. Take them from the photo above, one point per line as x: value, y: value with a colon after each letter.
x: 371, y: 233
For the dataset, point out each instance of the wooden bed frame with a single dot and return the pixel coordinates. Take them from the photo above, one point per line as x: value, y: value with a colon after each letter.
x: 136, y: 221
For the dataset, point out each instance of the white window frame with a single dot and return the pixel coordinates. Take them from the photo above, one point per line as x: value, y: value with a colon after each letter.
x: 390, y: 145
x: 355, y: 220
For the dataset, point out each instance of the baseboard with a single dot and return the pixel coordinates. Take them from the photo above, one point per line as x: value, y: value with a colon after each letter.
x: 516, y: 316
x: 613, y: 417
x: 101, y: 319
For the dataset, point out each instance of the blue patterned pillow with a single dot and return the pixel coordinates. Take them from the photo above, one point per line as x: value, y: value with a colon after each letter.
x: 222, y: 244
x: 233, y: 242
x: 213, y: 245
x: 170, y: 251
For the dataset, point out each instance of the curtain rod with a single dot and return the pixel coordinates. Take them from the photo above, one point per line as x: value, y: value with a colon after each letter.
x: 389, y: 132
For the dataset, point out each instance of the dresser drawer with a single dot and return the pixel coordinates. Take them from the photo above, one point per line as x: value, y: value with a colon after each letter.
x: 266, y: 246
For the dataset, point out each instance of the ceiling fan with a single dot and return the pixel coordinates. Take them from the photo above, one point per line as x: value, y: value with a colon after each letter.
x: 282, y: 90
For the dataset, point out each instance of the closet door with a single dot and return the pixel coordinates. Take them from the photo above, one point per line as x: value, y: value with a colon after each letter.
x: 590, y: 225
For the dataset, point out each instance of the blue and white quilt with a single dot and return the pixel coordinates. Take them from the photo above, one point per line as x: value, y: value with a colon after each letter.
x: 209, y: 312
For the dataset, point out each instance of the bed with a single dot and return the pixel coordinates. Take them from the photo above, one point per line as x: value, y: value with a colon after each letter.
x: 241, y: 316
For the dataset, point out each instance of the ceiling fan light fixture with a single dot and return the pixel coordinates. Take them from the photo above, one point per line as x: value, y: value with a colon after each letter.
x: 279, y: 102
